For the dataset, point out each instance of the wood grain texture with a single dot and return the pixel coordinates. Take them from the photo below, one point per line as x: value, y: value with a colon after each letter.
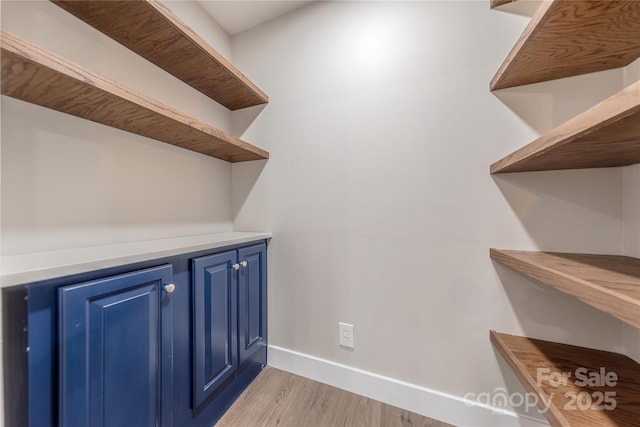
x: 571, y: 37
x: 155, y: 33
x: 278, y: 398
x: 525, y: 356
x: 607, y: 282
x: 37, y: 76
x: 606, y: 135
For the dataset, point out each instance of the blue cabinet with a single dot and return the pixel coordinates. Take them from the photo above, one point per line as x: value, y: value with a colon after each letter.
x: 115, y: 351
x: 215, y: 351
x: 229, y: 316
x: 252, y: 301
x: 113, y: 347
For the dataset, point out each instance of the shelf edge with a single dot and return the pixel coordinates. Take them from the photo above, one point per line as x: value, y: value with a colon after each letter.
x: 529, y: 383
x: 160, y: 14
x: 566, y: 284
x: 538, y: 18
x: 208, y: 50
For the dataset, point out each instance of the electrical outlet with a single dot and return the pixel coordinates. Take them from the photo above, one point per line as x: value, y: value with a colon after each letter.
x: 346, y: 334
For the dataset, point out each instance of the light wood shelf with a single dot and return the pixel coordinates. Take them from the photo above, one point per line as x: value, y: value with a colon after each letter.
x: 39, y: 77
x: 155, y: 33
x: 525, y: 356
x: 571, y: 37
x: 609, y: 283
x: 606, y: 135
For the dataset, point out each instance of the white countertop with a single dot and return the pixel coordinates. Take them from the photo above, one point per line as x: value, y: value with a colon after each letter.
x: 27, y: 268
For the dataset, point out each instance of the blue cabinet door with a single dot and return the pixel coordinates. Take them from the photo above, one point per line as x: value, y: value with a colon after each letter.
x: 215, y: 356
x: 116, y: 351
x: 252, y: 301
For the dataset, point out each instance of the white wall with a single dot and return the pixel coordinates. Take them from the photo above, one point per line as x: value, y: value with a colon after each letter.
x: 381, y: 129
x: 73, y: 183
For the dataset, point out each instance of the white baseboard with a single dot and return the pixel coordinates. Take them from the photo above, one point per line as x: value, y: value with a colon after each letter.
x: 431, y: 403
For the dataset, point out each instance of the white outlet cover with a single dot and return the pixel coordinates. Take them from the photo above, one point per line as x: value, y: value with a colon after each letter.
x: 345, y: 336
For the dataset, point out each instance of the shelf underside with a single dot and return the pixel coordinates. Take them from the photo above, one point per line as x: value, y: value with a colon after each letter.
x: 497, y: 3
x: 527, y: 356
x: 155, y: 33
x: 39, y: 77
x: 609, y: 283
x: 606, y: 135
x: 571, y: 37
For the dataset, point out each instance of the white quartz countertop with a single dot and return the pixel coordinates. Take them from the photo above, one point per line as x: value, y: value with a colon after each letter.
x: 28, y: 268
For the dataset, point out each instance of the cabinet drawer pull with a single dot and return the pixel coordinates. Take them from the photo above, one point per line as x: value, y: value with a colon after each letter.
x: 243, y: 263
x: 170, y: 288
x: 236, y: 266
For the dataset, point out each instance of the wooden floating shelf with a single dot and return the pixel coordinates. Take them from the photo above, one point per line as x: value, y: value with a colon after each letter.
x: 155, y: 33
x: 606, y: 135
x: 571, y: 37
x: 37, y: 76
x: 609, y: 283
x: 525, y: 356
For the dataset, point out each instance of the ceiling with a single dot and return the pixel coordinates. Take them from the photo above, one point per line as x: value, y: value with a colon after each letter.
x: 240, y: 15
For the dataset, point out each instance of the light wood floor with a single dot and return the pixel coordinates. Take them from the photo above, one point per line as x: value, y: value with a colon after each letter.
x: 278, y: 398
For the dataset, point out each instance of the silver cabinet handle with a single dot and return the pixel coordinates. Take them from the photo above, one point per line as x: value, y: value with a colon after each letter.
x: 243, y: 263
x: 236, y: 266
x: 170, y: 288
